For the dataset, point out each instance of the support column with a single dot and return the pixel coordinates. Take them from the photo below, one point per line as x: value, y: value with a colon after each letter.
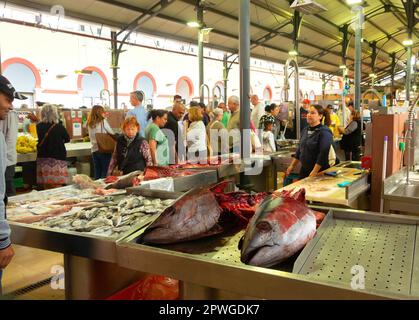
x: 358, y: 59
x: 200, y: 13
x: 114, y: 44
x: 244, y: 53
x: 408, y: 73
x: 225, y: 76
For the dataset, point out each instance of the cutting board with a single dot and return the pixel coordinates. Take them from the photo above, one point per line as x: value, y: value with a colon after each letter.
x: 324, y: 188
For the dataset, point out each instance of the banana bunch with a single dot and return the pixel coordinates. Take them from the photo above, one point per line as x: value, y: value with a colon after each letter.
x: 26, y: 144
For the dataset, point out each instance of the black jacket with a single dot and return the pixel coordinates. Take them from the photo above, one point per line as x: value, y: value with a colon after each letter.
x: 352, y: 140
x: 54, y: 145
x: 134, y: 159
x: 314, y: 149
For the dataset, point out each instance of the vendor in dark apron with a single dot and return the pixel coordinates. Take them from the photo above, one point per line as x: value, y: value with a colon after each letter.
x: 316, y: 141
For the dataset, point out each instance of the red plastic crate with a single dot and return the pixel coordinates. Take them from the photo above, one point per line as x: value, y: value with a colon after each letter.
x: 125, y: 294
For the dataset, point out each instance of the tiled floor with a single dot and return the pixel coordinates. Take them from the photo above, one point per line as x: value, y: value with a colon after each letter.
x: 30, y: 266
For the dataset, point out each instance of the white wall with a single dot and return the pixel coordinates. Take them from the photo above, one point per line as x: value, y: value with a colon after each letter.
x: 56, y: 53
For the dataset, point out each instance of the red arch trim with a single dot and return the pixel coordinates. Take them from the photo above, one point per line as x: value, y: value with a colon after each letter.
x: 148, y: 75
x: 27, y: 63
x: 95, y: 69
x: 268, y: 87
x: 189, y: 82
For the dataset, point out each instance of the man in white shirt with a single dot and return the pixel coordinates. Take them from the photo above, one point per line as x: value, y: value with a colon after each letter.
x: 9, y: 128
x: 258, y: 110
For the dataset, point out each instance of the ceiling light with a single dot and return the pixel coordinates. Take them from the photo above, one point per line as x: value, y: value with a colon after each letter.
x: 342, y: 66
x: 373, y: 75
x: 293, y: 53
x: 307, y: 7
x: 354, y: 2
x: 408, y: 42
x: 193, y: 24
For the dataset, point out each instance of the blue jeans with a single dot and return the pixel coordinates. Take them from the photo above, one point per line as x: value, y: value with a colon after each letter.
x: 101, y: 164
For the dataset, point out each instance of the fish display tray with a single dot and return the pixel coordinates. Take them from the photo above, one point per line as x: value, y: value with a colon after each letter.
x: 217, y: 258
x: 77, y: 243
x: 385, y: 248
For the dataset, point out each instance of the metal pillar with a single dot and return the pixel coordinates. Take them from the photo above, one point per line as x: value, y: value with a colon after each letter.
x: 244, y: 53
x: 288, y: 63
x: 408, y: 73
x: 225, y: 76
x: 200, y: 16
x: 358, y: 59
x: 114, y: 44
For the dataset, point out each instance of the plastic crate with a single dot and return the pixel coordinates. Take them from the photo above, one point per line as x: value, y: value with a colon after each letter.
x: 125, y: 294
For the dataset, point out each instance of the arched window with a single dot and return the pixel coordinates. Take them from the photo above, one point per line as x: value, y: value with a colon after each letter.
x: 219, y: 91
x: 184, y: 87
x: 92, y: 82
x: 145, y: 82
x: 25, y: 78
x: 312, y: 95
x: 267, y: 94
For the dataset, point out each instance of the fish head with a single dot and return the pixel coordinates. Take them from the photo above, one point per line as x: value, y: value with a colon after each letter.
x: 267, y: 241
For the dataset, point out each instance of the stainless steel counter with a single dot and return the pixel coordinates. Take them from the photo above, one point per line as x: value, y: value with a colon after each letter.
x: 211, y: 268
x: 79, y: 149
x: 400, y: 197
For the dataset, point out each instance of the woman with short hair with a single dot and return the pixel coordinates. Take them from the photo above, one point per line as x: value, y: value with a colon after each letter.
x: 132, y: 151
x: 51, y: 163
x: 196, y: 135
x: 216, y: 125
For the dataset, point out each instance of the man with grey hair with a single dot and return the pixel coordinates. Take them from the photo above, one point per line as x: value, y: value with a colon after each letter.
x: 258, y: 110
x: 233, y: 125
x: 139, y: 112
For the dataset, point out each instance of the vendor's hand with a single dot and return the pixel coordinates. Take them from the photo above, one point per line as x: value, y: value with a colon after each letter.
x: 313, y: 174
x: 290, y: 169
x: 6, y: 256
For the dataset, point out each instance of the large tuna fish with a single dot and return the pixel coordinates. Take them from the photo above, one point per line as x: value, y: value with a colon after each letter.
x: 201, y: 213
x: 281, y: 226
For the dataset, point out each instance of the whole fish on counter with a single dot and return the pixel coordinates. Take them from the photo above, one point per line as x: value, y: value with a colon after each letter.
x: 198, y: 214
x: 108, y: 219
x: 282, y: 225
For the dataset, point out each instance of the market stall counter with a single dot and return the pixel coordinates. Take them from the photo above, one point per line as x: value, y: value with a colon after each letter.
x: 310, y: 274
x: 85, y: 224
x: 338, y: 186
x: 79, y: 149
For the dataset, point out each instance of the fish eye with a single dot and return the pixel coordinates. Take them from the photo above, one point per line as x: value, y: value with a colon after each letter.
x: 264, y: 226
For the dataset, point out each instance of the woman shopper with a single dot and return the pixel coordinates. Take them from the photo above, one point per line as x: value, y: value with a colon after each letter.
x: 132, y: 151
x: 315, y: 144
x: 97, y: 123
x: 159, y: 144
x: 351, y: 139
x: 51, y: 164
x: 215, y: 126
x: 196, y: 136
x: 271, y: 112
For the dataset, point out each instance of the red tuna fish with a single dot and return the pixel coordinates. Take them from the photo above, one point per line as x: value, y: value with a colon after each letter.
x: 201, y: 213
x: 281, y: 226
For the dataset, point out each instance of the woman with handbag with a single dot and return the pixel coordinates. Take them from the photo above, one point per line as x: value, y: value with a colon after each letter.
x: 51, y: 164
x: 132, y: 151
x: 101, y: 137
